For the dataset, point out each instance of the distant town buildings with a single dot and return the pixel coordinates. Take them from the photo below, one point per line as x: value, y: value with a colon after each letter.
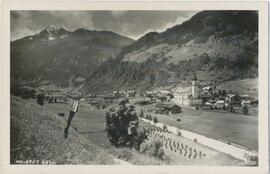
x: 190, y: 97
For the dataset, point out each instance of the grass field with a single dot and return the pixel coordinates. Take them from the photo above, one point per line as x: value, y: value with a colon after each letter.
x: 246, y: 86
x: 42, y: 129
x: 236, y: 128
x: 37, y: 133
x: 212, y: 157
x: 89, y: 121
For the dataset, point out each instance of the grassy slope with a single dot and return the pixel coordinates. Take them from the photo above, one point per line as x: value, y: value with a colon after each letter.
x: 37, y: 133
x: 246, y: 86
x: 212, y: 157
x: 90, y: 123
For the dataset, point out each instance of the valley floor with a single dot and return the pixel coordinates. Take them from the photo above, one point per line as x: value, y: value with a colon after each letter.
x: 87, y: 135
x: 232, y: 127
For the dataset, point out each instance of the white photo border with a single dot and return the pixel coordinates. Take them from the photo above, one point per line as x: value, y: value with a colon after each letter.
x: 262, y: 8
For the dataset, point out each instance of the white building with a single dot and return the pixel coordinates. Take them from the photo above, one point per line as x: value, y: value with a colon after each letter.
x: 195, y: 90
x: 189, y: 96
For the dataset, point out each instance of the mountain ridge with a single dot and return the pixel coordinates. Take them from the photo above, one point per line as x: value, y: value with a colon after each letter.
x: 212, y: 45
x: 225, y: 49
x: 58, y: 56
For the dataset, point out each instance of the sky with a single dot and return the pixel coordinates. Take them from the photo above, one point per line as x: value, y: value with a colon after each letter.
x: 132, y: 24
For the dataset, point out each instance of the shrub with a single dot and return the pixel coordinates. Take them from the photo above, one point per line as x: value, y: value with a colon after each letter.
x: 141, y: 113
x: 147, y: 117
x: 153, y: 148
x: 104, y: 106
x: 155, y: 120
x: 253, y: 161
x: 164, y: 127
x: 124, y: 154
x: 245, y: 110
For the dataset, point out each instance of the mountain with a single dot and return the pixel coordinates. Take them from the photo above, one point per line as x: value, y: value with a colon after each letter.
x: 211, y: 46
x: 62, y: 58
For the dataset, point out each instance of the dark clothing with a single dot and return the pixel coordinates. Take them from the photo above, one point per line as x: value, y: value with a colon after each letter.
x: 70, y: 117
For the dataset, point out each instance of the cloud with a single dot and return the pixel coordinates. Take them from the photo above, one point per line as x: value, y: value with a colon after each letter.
x: 132, y: 24
x: 21, y: 24
x: 25, y: 23
x: 167, y: 25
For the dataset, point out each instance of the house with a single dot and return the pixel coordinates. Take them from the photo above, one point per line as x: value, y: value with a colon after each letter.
x: 100, y: 96
x: 207, y: 90
x: 169, y: 108
x: 150, y: 94
x: 220, y: 104
x: 182, y: 98
x: 234, y: 99
x: 28, y: 92
x: 109, y: 96
x: 246, y: 100
x: 163, y: 93
x: 60, y: 98
x: 131, y: 93
x: 144, y: 101
x: 195, y: 102
x: 118, y: 94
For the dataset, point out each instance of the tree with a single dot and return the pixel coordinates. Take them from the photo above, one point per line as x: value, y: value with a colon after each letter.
x: 122, y: 127
x: 245, y: 110
x: 150, y: 117
x: 142, y: 113
x: 155, y: 120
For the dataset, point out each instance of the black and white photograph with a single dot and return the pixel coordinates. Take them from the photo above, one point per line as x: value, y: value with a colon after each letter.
x: 135, y: 87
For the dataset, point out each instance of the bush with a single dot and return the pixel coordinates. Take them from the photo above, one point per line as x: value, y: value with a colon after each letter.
x: 141, y: 113
x: 155, y: 120
x: 104, y: 106
x: 153, y: 148
x: 124, y: 154
x: 146, y: 117
x: 245, y: 110
x: 164, y: 127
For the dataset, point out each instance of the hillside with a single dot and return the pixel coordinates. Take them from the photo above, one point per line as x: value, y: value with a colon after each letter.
x: 62, y: 58
x: 37, y: 134
x: 212, y: 45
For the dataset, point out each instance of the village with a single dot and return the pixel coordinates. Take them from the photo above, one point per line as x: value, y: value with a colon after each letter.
x: 182, y: 91
x: 182, y: 107
x: 195, y: 97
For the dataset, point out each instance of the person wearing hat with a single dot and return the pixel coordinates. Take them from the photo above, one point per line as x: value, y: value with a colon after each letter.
x: 73, y: 109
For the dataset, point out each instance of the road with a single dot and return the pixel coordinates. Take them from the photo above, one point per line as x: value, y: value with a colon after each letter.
x: 236, y: 128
